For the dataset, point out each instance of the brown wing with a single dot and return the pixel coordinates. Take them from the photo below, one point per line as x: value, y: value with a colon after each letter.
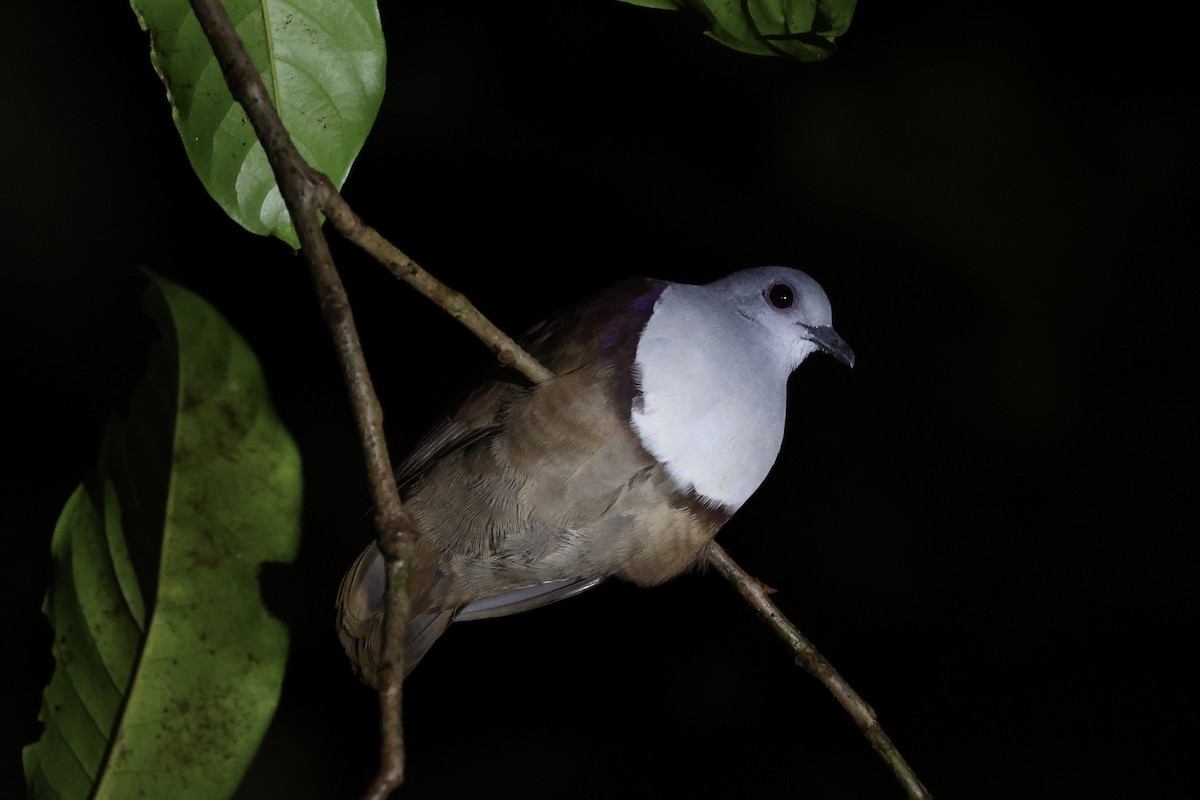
x: 360, y: 596
x: 528, y: 495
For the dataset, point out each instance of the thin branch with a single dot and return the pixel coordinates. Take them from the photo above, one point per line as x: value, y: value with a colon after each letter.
x: 454, y: 303
x: 303, y: 191
x: 307, y: 191
x: 756, y: 593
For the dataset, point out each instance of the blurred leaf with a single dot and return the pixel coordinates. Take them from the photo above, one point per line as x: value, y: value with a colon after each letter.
x: 801, y: 29
x: 168, y: 667
x: 323, y: 64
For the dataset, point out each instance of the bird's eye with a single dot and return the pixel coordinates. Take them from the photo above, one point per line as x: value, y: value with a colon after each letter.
x: 781, y: 295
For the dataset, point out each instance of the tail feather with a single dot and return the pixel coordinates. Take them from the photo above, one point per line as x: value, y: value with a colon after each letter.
x: 360, y: 617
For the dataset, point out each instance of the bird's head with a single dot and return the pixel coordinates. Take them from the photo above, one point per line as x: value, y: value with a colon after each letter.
x: 789, y: 308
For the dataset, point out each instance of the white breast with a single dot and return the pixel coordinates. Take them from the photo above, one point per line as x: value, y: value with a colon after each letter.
x: 713, y: 396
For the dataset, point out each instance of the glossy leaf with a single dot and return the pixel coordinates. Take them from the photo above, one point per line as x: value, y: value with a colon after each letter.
x: 323, y: 64
x: 801, y: 29
x: 167, y: 665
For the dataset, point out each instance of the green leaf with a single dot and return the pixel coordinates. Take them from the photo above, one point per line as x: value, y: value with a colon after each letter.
x: 801, y: 29
x: 167, y: 665
x: 323, y: 64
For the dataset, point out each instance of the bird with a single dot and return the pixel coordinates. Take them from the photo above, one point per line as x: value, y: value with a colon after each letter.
x: 665, y: 414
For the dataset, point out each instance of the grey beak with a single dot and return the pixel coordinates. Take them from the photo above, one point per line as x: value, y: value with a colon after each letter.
x: 828, y: 340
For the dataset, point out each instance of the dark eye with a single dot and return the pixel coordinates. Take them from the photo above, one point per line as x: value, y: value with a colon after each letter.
x: 781, y: 295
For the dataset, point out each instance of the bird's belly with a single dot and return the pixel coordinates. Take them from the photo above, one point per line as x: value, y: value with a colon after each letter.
x: 648, y: 536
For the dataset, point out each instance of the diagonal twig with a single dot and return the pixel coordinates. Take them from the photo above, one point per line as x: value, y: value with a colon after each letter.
x: 756, y: 593
x: 454, y: 303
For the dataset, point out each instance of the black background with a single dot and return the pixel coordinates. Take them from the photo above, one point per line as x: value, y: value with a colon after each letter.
x: 985, y: 525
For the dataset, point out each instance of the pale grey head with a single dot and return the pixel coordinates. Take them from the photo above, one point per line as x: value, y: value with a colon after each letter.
x: 712, y: 367
x: 791, y: 308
